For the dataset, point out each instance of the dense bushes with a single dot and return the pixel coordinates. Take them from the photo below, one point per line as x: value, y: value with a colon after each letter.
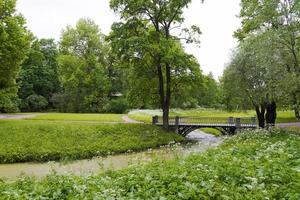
x: 117, y: 106
x: 36, y: 102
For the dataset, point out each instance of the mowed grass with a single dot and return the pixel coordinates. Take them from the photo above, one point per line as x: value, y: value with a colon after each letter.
x: 40, y: 140
x: 208, y: 114
x: 256, y: 164
x: 117, y: 118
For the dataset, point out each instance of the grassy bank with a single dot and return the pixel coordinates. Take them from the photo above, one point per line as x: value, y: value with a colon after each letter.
x: 79, y: 117
x: 251, y: 165
x: 30, y: 140
x: 207, y: 114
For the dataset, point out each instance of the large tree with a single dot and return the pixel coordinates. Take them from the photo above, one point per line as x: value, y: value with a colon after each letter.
x: 280, y: 20
x: 256, y: 77
x: 38, y: 79
x: 83, y: 67
x: 144, y: 38
x: 14, y: 43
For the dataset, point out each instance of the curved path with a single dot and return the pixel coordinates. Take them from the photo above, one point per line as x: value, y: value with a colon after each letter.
x: 126, y: 119
x: 292, y: 124
x: 17, y: 116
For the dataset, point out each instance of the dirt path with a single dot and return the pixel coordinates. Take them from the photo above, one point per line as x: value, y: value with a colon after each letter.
x: 126, y: 119
x: 17, y: 116
x: 292, y: 124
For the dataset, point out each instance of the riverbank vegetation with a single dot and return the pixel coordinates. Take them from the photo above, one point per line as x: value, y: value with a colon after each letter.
x: 41, y: 141
x: 256, y: 164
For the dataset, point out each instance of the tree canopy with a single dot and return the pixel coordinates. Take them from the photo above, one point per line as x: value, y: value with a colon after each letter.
x: 144, y: 40
x: 38, y: 79
x: 82, y: 67
x: 14, y: 44
x: 279, y: 20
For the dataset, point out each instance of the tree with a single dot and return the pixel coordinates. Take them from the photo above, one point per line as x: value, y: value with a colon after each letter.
x: 252, y: 76
x: 14, y: 43
x: 83, y: 67
x: 38, y: 79
x: 279, y: 19
x: 211, y: 96
x: 144, y: 38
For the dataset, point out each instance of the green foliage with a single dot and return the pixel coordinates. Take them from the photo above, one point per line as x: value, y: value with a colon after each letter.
x: 82, y: 68
x: 159, y: 67
x: 9, y: 100
x: 36, y: 102
x: 279, y: 22
x: 252, y: 165
x: 38, y: 79
x: 14, y: 43
x: 117, y: 106
x: 66, y: 140
x: 211, y: 96
x: 253, y: 74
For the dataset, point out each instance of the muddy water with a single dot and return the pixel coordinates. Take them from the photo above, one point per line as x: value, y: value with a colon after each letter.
x: 10, y: 172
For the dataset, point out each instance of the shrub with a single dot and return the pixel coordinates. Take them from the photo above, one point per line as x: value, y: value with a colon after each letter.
x: 36, y: 102
x: 118, y: 106
x: 8, y: 100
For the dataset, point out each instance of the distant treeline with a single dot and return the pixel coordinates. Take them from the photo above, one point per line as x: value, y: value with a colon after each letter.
x: 141, y: 65
x: 81, y: 73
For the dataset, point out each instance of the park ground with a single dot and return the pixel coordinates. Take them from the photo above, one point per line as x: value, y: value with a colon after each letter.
x: 255, y: 164
x: 41, y: 137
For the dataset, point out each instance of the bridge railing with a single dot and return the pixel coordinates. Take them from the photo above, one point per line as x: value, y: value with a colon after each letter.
x: 250, y: 121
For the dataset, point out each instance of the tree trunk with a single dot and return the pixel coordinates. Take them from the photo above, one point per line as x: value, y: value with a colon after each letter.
x: 295, y: 105
x: 297, y: 112
x: 271, y: 114
x: 163, y: 103
x: 260, y: 112
x: 167, y: 100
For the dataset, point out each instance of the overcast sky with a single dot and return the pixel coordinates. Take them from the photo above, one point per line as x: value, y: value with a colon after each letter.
x: 216, y: 18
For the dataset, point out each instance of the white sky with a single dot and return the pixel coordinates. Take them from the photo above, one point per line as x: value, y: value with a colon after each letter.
x: 216, y: 18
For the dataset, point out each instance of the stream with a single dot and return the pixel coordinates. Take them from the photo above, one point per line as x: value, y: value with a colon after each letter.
x: 200, y: 143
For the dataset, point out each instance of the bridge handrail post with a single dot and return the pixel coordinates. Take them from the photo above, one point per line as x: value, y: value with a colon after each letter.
x: 176, y: 121
x: 154, y: 119
x: 230, y: 120
x: 238, y: 122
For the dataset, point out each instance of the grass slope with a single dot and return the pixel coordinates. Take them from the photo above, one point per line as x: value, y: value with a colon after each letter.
x: 25, y: 140
x: 252, y: 165
x: 79, y: 117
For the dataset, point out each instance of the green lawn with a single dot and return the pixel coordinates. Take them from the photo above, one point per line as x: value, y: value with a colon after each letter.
x: 40, y: 140
x: 79, y: 117
x: 207, y: 114
x: 251, y: 165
